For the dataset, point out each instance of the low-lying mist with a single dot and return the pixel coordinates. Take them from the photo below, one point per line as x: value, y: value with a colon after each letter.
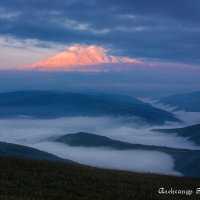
x: 31, y: 131
x: 40, y: 133
x: 132, y: 160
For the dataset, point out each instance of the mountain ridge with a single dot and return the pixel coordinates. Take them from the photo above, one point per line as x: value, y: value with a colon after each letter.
x: 192, y: 132
x: 185, y: 160
x: 55, y: 104
x: 189, y: 102
x: 21, y: 151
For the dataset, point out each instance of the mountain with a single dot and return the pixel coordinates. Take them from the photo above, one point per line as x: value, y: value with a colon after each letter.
x: 189, y: 101
x: 77, y: 57
x: 20, y: 151
x: 190, y: 132
x: 55, y: 104
x: 186, y: 161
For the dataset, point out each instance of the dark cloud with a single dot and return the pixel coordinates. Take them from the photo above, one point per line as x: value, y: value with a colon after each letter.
x: 155, y: 29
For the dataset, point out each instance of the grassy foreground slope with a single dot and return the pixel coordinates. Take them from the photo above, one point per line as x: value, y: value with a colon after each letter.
x: 31, y: 179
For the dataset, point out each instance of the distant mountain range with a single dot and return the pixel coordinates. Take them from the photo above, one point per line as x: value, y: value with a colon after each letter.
x: 190, y: 132
x: 55, y: 104
x: 189, y: 101
x: 186, y: 161
x: 20, y: 151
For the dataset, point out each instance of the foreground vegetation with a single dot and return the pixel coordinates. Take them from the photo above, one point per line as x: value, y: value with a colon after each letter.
x: 33, y: 179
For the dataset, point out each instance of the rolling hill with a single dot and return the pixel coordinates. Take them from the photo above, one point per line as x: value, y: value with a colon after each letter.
x: 190, y: 132
x: 186, y: 161
x: 20, y: 151
x: 55, y: 104
x: 189, y: 101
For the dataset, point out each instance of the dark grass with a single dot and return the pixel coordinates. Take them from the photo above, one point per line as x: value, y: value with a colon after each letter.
x: 31, y: 180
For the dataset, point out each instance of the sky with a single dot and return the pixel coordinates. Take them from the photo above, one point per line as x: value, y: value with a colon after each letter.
x: 163, y: 36
x: 146, y: 29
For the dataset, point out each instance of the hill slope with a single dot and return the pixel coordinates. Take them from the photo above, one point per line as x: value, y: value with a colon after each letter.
x: 54, y: 104
x: 27, y: 179
x: 20, y: 151
x: 189, y: 102
x: 186, y: 161
x: 190, y: 132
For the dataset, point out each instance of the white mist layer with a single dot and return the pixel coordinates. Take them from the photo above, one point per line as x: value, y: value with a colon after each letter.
x: 131, y: 160
x: 29, y: 131
x: 39, y: 134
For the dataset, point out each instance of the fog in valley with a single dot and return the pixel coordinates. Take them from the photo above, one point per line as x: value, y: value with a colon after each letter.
x: 41, y: 133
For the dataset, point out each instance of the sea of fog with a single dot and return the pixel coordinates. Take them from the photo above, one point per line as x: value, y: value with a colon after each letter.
x: 39, y: 133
